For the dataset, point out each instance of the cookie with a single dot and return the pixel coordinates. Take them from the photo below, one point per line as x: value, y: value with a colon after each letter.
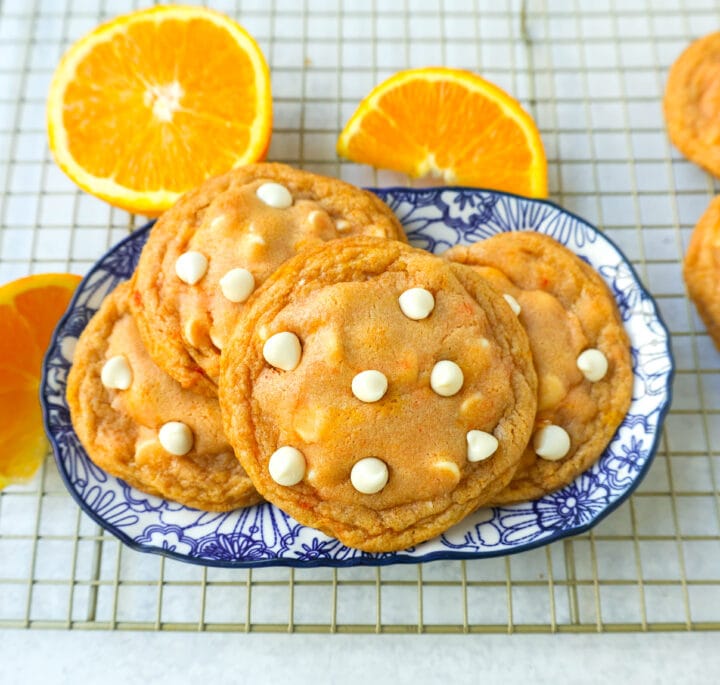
x: 138, y: 424
x: 207, y: 254
x: 580, y: 350
x: 377, y: 393
x: 692, y: 103
x: 701, y: 269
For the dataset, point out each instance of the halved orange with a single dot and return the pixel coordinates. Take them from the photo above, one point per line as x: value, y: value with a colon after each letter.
x: 451, y: 124
x: 30, y: 308
x: 149, y: 105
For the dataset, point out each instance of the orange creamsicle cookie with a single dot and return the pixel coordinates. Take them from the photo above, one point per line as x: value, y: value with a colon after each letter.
x: 580, y: 350
x: 377, y: 392
x: 138, y: 424
x: 208, y: 253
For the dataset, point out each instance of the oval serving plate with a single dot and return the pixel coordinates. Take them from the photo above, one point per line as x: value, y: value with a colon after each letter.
x: 435, y: 219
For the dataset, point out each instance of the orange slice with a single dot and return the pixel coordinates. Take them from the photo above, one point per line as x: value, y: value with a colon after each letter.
x: 149, y: 105
x: 451, y: 124
x: 30, y: 308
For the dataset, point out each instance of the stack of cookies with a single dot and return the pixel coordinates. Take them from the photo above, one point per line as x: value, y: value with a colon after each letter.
x: 280, y: 340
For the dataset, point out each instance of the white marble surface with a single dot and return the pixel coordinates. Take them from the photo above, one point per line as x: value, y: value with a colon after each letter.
x: 78, y: 657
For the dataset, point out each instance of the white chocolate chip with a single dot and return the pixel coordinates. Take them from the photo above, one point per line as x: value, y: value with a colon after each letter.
x: 593, y: 364
x: 255, y: 239
x: 329, y: 342
x: 312, y: 422
x: 116, y: 373
x: 287, y: 466
x: 449, y: 467
x: 217, y: 221
x: 237, y: 285
x: 446, y: 378
x: 176, y: 437
x: 369, y: 475
x: 275, y: 195
x: 417, y: 303
x: 145, y: 451
x: 551, y: 442
x: 192, y: 332
x: 472, y: 405
x: 216, y: 341
x: 262, y: 332
x: 191, y: 266
x: 551, y: 390
x: 342, y: 225
x: 514, y: 304
x: 481, y: 445
x: 282, y: 351
x: 315, y: 218
x: 369, y: 386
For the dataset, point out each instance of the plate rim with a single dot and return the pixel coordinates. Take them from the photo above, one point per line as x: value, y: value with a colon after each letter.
x: 400, y: 557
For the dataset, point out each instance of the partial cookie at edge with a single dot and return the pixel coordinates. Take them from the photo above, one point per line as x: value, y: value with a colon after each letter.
x: 701, y: 269
x: 566, y: 309
x: 108, y: 420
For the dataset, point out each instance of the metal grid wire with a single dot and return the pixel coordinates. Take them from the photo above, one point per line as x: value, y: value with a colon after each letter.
x: 592, y: 74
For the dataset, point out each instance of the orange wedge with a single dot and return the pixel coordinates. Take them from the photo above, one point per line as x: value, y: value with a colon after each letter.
x: 29, y: 311
x: 451, y: 124
x: 149, y: 105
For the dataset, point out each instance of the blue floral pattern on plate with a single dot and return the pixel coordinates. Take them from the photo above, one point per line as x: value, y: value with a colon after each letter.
x: 435, y: 219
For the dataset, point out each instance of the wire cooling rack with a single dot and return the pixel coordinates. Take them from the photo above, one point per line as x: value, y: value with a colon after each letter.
x: 592, y: 74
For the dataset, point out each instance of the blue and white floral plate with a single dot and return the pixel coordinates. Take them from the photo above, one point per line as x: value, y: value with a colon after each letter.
x: 262, y: 535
